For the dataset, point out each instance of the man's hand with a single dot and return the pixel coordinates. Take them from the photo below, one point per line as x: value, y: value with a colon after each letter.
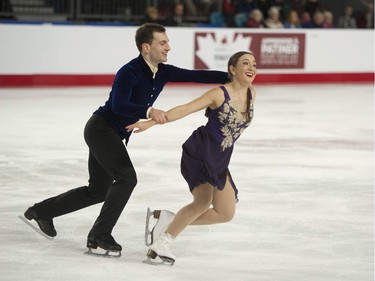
x: 158, y: 116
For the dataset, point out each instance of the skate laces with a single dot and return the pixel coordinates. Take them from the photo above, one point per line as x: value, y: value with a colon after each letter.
x: 166, y: 239
x: 165, y: 227
x: 164, y: 224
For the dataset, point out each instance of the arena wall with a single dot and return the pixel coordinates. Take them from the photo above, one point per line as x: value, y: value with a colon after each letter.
x: 71, y: 55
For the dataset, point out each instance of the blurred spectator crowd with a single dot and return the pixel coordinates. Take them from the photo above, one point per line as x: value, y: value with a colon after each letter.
x: 264, y: 13
x: 216, y: 13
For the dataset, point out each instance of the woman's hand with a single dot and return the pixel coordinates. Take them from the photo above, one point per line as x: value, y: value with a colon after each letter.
x: 140, y: 126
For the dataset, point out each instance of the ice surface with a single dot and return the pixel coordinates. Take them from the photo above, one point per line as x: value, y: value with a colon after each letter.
x: 304, y: 170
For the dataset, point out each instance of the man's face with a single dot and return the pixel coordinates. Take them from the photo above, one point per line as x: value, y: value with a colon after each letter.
x: 159, y: 48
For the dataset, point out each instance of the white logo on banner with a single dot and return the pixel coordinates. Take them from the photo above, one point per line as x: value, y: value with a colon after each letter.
x: 214, y: 50
x: 283, y: 51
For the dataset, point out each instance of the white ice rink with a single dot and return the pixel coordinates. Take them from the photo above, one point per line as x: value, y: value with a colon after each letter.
x: 304, y: 170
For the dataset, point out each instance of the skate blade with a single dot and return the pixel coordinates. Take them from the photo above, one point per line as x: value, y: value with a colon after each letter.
x: 148, y: 237
x: 148, y: 232
x: 107, y: 254
x: 159, y: 262
x: 36, y: 229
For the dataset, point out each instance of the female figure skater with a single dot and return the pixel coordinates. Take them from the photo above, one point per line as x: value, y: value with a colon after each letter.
x: 207, y: 152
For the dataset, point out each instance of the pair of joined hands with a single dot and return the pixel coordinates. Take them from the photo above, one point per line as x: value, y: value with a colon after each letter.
x: 156, y: 117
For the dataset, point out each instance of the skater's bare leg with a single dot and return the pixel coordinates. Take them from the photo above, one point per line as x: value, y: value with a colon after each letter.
x: 199, y: 212
x: 203, y: 195
x: 223, y: 207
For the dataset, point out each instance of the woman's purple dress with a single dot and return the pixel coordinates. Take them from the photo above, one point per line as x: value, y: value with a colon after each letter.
x: 206, y: 153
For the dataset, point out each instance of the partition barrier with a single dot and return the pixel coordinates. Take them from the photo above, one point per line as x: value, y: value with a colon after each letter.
x: 54, y: 55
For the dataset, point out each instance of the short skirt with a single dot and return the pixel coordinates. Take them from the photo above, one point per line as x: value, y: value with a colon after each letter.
x: 203, y: 161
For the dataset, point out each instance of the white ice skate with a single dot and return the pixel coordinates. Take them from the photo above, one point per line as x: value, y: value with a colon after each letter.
x: 164, y: 219
x: 162, y: 249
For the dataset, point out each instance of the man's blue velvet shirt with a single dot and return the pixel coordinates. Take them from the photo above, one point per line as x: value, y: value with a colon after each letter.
x: 134, y: 90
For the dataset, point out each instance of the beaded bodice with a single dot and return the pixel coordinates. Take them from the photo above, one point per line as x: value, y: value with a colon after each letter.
x: 225, y: 124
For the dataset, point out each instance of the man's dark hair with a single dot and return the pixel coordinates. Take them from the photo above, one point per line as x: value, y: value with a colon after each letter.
x: 145, y: 34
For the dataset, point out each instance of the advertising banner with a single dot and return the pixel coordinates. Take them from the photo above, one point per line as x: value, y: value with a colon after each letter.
x: 271, y: 50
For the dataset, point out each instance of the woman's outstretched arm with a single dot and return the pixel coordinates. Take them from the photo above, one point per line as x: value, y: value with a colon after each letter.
x: 209, y: 99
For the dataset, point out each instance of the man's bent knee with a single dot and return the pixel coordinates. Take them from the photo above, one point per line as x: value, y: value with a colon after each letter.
x: 128, y: 178
x: 98, y: 194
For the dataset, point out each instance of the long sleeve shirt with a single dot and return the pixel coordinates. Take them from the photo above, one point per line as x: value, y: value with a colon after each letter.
x: 134, y: 91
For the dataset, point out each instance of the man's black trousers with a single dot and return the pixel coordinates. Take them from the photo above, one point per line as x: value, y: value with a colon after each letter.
x: 112, y: 179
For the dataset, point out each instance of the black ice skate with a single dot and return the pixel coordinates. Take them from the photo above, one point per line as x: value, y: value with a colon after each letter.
x: 46, y: 227
x: 164, y: 218
x: 105, y: 242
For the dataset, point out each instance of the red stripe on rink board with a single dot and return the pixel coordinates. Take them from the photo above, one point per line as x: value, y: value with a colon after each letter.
x: 315, y: 78
x: 72, y: 80
x: 62, y: 80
